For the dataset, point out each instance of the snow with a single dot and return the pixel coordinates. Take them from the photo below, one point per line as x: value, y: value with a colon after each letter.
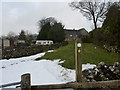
x: 42, y: 72
x: 88, y: 66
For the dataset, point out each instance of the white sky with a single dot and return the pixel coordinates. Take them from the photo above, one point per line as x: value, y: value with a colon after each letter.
x: 17, y: 15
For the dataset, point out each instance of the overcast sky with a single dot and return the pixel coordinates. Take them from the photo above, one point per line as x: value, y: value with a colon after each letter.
x: 25, y: 15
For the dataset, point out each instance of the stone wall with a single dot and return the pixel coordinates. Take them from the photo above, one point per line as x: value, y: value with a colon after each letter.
x: 103, y: 72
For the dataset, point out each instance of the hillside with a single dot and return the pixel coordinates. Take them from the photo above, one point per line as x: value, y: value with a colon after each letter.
x: 90, y: 54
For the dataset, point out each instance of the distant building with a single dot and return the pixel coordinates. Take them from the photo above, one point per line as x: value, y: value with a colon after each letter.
x: 20, y: 43
x: 0, y: 53
x: 5, y: 43
x: 0, y: 43
x: 44, y: 42
x: 72, y: 35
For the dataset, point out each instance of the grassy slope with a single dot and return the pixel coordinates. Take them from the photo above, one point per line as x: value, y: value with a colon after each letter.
x: 89, y: 55
x: 92, y: 55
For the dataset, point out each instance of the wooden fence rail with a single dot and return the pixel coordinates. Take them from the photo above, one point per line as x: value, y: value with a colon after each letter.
x: 100, y: 84
x: 10, y: 84
x: 26, y: 84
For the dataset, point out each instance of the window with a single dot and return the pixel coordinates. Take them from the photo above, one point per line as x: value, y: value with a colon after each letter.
x: 39, y: 42
x: 51, y: 42
x: 44, y: 42
x: 70, y: 35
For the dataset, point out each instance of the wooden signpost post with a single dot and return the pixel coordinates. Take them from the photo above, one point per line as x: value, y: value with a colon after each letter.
x: 78, y: 62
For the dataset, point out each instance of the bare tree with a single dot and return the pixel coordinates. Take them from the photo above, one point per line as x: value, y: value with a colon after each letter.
x: 43, y: 21
x: 11, y: 34
x: 92, y: 10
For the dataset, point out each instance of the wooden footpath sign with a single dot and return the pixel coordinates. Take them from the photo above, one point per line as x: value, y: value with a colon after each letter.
x: 78, y: 61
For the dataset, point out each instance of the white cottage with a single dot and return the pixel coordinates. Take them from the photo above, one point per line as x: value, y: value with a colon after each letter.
x: 44, y: 42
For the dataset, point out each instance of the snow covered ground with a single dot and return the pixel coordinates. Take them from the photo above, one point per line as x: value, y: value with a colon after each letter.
x: 42, y: 72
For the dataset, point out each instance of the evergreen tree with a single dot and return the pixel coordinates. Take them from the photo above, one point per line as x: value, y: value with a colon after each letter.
x: 51, y: 30
x: 22, y: 35
x: 57, y: 33
x: 111, y: 24
x: 43, y: 34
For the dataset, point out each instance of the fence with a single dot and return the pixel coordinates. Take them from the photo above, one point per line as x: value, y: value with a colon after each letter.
x: 10, y: 84
x: 26, y: 84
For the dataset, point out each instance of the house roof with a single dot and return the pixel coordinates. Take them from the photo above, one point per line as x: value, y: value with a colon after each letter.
x: 73, y: 31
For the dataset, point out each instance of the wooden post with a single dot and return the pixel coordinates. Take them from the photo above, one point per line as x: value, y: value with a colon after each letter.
x: 25, y: 82
x: 78, y: 62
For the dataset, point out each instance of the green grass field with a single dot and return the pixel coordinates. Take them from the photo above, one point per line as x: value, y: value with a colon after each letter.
x: 90, y: 54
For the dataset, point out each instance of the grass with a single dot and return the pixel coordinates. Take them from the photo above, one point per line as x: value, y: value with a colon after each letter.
x: 95, y: 55
x: 90, y: 54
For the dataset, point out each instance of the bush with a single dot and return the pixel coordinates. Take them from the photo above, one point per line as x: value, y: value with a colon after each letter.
x: 87, y: 40
x: 57, y: 45
x: 20, y: 51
